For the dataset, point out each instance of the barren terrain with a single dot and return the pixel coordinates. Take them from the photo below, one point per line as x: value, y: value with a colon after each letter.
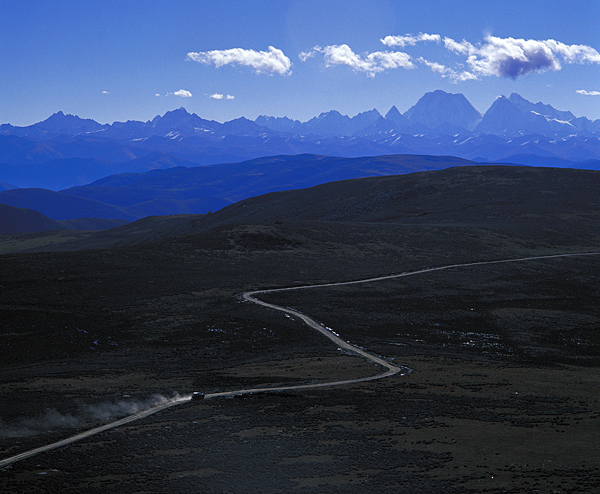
x: 505, y: 359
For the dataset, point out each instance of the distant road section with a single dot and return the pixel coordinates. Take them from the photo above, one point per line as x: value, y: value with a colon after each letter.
x: 391, y: 369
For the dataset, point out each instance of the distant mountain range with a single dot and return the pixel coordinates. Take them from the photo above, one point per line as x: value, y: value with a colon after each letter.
x: 65, y: 150
x: 436, y: 114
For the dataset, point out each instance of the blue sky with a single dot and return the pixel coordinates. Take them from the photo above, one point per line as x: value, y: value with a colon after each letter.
x: 117, y: 60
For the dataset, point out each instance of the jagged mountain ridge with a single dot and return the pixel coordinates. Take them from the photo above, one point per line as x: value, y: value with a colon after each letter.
x: 433, y: 110
x: 438, y: 108
x: 509, y: 116
x: 438, y: 124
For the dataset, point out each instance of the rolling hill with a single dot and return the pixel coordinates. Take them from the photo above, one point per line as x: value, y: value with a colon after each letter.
x: 552, y: 204
x: 505, y: 197
x: 19, y: 220
x: 502, y: 350
x: 182, y: 190
x: 60, y: 206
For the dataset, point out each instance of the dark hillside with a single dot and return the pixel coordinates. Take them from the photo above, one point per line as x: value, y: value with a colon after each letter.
x: 505, y: 356
x: 554, y: 203
x: 19, y: 220
x: 238, y: 181
x: 197, y: 190
x: 60, y: 206
x: 481, y: 195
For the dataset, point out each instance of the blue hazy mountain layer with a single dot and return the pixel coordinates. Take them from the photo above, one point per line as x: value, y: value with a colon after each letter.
x: 182, y: 190
x: 67, y: 167
x: 76, y: 151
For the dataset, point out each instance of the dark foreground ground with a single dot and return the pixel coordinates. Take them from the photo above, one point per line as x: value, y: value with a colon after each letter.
x: 503, y: 396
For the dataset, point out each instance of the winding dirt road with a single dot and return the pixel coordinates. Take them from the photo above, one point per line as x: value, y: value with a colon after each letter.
x: 251, y: 297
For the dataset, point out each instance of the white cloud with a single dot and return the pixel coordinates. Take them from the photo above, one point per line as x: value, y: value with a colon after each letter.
x: 512, y: 57
x: 272, y: 61
x: 371, y: 63
x: 502, y: 57
x: 493, y: 56
x: 105, y: 92
x: 574, y: 53
x: 458, y: 47
x: 436, y: 67
x: 588, y: 93
x: 455, y: 76
x: 221, y: 96
x: 182, y: 93
x: 463, y: 76
x: 383, y: 60
x: 305, y: 55
x: 409, y: 39
x: 157, y: 94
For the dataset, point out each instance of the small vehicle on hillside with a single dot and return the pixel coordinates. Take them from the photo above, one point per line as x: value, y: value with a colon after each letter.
x: 197, y: 395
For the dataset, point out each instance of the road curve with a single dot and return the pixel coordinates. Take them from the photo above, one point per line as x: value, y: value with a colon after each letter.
x: 250, y: 296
